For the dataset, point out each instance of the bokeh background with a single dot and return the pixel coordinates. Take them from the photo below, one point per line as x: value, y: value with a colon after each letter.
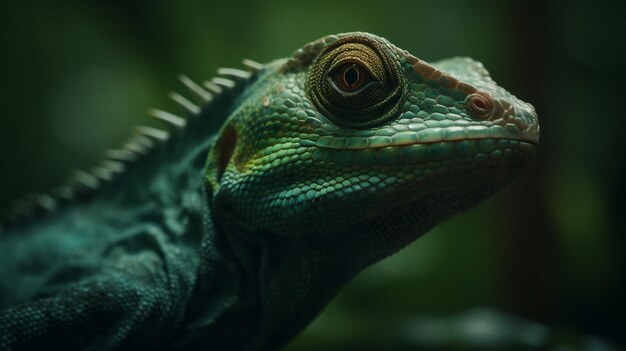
x: 75, y: 76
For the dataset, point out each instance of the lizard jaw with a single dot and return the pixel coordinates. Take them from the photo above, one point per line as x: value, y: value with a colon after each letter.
x: 497, y: 151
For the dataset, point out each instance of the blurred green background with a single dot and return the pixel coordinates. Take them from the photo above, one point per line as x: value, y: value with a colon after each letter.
x: 76, y: 75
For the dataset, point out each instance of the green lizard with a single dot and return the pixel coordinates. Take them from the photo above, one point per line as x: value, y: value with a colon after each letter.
x: 318, y: 165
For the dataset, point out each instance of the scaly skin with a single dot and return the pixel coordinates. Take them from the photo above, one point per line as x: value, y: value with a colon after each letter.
x: 326, y: 162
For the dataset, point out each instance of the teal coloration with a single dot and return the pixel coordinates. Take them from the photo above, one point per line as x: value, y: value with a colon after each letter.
x: 308, y: 181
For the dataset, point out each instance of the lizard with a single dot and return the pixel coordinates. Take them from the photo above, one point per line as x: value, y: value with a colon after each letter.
x: 235, y: 226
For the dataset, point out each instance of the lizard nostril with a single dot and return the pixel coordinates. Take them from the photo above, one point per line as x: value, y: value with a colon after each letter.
x: 479, y: 105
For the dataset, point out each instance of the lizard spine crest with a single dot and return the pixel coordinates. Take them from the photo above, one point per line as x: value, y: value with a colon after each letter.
x: 144, y: 140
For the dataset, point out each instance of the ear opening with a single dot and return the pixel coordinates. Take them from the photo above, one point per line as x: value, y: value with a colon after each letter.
x: 225, y: 149
x: 220, y: 156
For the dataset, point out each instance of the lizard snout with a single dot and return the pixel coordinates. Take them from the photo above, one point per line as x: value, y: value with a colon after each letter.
x: 518, y: 119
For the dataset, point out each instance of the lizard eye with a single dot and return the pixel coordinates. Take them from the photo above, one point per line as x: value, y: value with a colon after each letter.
x: 355, y: 82
x: 351, y: 77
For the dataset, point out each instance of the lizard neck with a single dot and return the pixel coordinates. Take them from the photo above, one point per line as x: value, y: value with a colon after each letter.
x: 265, y: 287
x: 274, y: 285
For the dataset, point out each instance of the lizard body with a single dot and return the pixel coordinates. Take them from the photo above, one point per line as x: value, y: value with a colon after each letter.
x: 318, y: 165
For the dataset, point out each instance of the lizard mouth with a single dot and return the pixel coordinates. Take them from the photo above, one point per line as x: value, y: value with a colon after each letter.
x: 427, y: 136
x: 496, y: 143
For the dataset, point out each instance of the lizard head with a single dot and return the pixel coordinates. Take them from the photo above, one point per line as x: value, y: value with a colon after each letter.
x: 354, y: 135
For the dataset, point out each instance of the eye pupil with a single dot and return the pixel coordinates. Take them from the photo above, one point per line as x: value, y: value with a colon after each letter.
x: 351, y: 76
